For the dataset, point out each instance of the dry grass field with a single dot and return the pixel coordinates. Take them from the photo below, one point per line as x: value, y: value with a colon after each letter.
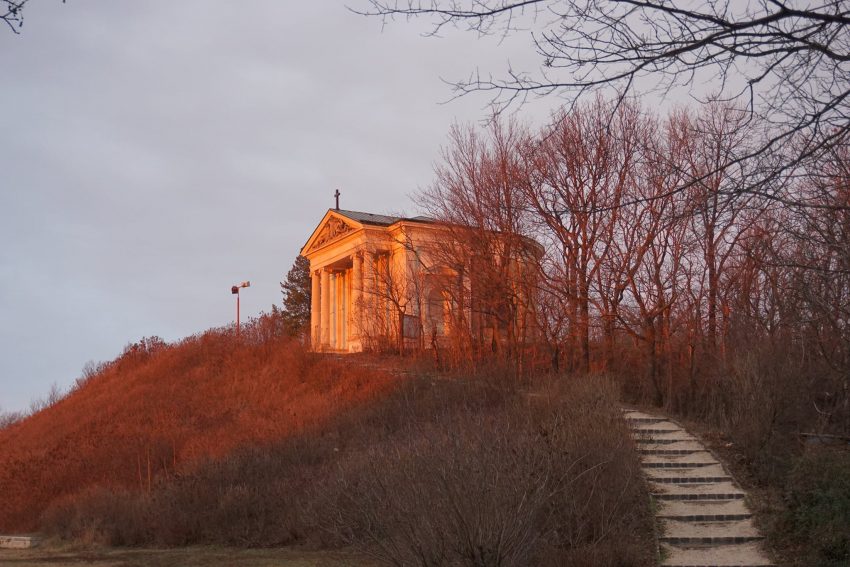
x: 262, y: 450
x: 159, y: 409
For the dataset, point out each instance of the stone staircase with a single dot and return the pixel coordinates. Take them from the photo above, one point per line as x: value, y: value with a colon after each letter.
x: 702, y: 518
x: 19, y: 541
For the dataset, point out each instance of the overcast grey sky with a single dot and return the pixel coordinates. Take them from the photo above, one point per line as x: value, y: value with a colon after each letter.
x: 155, y: 153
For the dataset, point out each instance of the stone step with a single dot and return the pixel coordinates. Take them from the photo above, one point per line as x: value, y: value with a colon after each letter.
x: 633, y: 421
x: 690, y: 479
x: 654, y: 431
x: 686, y: 445
x: 677, y: 448
x: 739, y: 555
x: 637, y: 414
x: 658, y: 451
x: 654, y: 427
x: 712, y: 491
x: 678, y: 461
x: 662, y: 422
x: 671, y: 437
x: 685, y: 475
x: 708, y: 533
x: 703, y: 510
x: 628, y: 413
x: 648, y: 440
x: 640, y: 417
x: 19, y: 541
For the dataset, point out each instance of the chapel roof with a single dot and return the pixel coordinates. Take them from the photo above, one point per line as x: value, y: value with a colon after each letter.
x: 378, y: 220
x: 327, y: 231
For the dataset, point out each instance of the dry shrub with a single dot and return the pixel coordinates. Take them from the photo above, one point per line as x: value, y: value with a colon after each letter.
x: 546, y: 477
x: 761, y: 400
x: 818, y: 513
x: 100, y: 516
x: 460, y: 490
x: 441, y: 472
x: 253, y: 497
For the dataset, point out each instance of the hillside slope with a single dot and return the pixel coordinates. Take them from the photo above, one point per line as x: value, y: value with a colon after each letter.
x: 158, y: 409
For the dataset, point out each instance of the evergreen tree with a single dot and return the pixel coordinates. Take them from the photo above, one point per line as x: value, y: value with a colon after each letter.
x: 297, y: 295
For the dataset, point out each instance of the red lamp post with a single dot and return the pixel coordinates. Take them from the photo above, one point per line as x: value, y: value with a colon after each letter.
x: 235, y: 291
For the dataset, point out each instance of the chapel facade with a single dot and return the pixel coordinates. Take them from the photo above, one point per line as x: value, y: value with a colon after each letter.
x: 378, y: 281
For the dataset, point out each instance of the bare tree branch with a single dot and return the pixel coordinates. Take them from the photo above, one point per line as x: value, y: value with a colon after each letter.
x: 12, y: 13
x: 789, y: 62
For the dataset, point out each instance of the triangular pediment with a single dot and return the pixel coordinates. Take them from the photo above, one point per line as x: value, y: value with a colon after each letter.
x: 332, y: 228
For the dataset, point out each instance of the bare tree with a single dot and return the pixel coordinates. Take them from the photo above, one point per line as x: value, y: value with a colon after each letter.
x: 711, y: 141
x: 626, y: 296
x: 789, y: 60
x: 12, y: 13
x: 396, y: 292
x: 820, y: 263
x: 654, y: 234
x: 582, y: 169
x: 479, y: 200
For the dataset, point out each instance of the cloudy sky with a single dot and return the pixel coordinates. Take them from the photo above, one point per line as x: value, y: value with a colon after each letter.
x: 155, y: 153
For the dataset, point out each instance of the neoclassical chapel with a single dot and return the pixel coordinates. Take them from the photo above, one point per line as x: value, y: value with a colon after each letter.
x: 361, y: 265
x: 383, y: 281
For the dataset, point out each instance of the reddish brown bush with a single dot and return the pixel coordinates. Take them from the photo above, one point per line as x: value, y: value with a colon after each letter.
x: 440, y: 472
x: 159, y: 409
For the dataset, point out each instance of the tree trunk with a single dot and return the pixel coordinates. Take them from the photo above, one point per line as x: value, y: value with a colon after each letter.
x: 711, y: 261
x: 652, y: 350
x: 400, y: 332
x: 584, y: 325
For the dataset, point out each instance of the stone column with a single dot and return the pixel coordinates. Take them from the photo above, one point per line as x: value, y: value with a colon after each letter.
x: 356, y: 289
x: 368, y: 314
x: 334, y: 315
x: 315, y: 311
x: 325, y: 331
x: 339, y: 342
